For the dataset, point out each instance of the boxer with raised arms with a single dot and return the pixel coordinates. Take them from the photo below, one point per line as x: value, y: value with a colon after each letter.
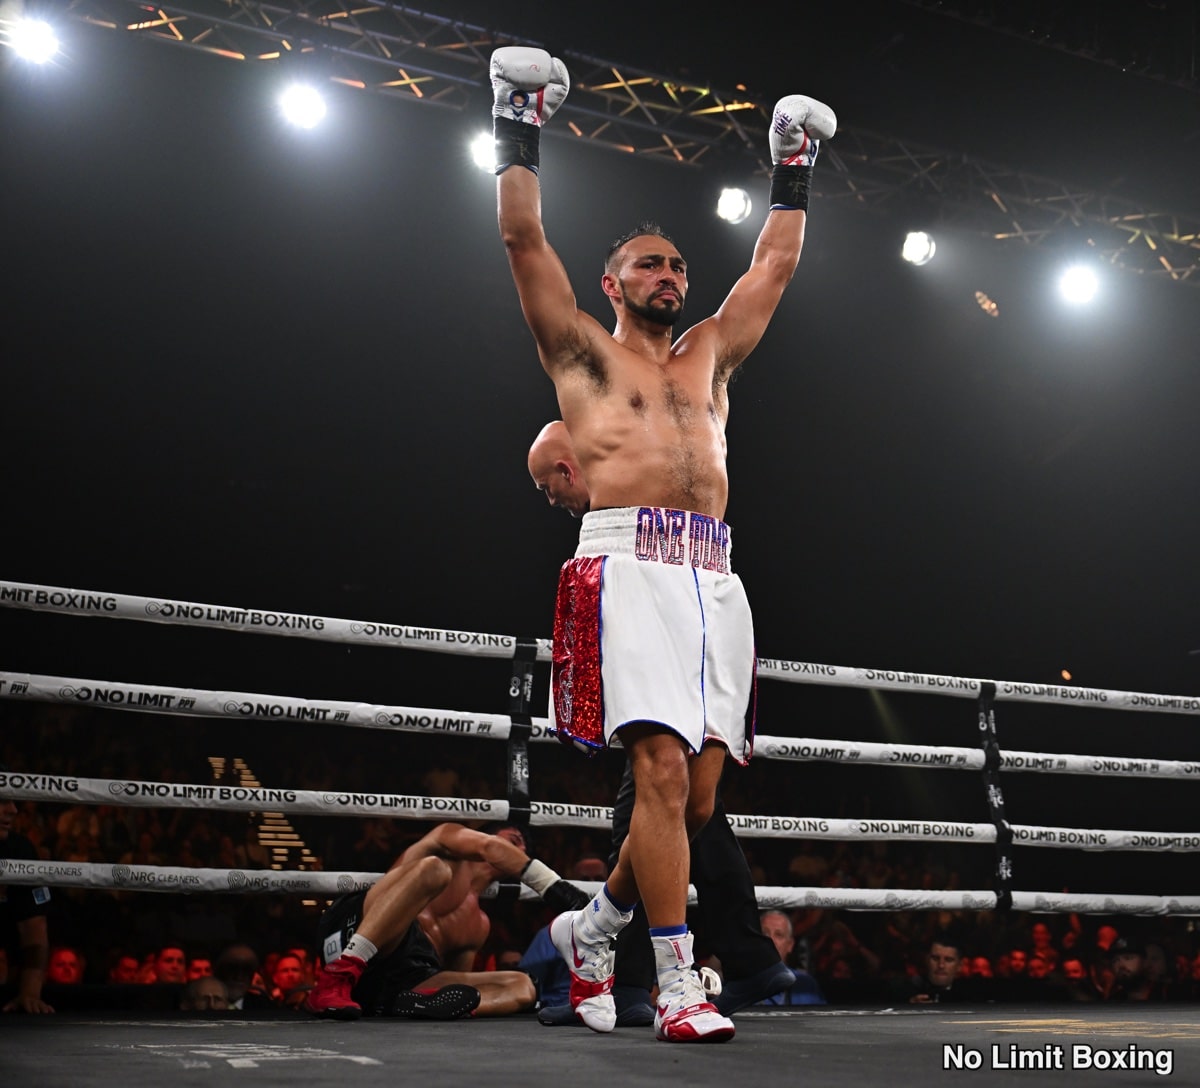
x: 653, y: 638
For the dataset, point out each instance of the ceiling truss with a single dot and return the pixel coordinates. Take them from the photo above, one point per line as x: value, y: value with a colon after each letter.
x: 393, y: 50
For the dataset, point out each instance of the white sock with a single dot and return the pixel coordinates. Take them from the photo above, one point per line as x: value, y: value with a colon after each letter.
x: 359, y: 946
x: 673, y: 959
x: 602, y: 916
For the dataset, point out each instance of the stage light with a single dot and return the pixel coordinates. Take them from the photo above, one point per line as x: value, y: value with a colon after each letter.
x: 733, y: 205
x: 33, y: 40
x: 1078, y: 284
x: 918, y: 248
x: 483, y: 152
x: 302, y: 104
x: 986, y: 304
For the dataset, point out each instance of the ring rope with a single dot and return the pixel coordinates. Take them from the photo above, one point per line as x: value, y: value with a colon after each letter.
x: 106, y: 791
x: 79, y: 602
x: 247, y: 705
x: 947, y: 757
x: 174, y: 879
x: 197, y: 702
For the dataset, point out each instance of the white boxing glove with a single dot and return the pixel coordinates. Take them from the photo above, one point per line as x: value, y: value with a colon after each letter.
x: 529, y: 84
x: 798, y: 125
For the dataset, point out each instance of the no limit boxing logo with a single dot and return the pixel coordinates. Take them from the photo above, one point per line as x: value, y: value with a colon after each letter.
x: 80, y: 602
x: 232, y: 617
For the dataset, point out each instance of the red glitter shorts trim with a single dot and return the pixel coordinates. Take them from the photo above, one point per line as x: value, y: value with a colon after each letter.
x: 575, y: 670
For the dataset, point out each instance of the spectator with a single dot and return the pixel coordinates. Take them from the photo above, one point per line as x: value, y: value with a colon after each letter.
x: 981, y: 967
x: 199, y: 966
x: 1018, y: 962
x: 508, y: 959
x: 204, y: 994
x: 1038, y: 968
x: 65, y: 966
x: 1194, y: 975
x: 124, y: 969
x: 1041, y: 982
x: 1105, y: 935
x: 1159, y: 969
x: 834, y: 939
x: 307, y: 968
x: 1077, y: 982
x: 170, y: 965
x: 148, y: 969
x: 286, y: 975
x: 1133, y: 978
x: 590, y: 868
x: 237, y: 967
x: 1042, y: 944
x: 939, y: 983
x: 805, y: 991
x: 23, y: 920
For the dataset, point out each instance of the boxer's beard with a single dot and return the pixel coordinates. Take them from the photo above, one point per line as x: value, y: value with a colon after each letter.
x: 666, y: 314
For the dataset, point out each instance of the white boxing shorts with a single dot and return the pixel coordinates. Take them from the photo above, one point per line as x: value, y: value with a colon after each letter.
x: 652, y: 625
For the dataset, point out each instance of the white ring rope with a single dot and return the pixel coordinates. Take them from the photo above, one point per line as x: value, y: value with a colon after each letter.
x: 106, y: 791
x: 152, y: 878
x: 196, y: 702
x: 254, y: 707
x: 78, y: 602
x: 968, y: 759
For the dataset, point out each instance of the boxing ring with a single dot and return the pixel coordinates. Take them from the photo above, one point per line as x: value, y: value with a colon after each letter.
x: 927, y: 1036
x: 519, y: 728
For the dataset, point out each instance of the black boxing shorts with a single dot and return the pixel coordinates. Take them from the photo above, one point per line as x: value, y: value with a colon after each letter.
x: 410, y: 964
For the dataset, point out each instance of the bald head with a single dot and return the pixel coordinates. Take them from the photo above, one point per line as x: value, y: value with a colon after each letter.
x: 555, y: 470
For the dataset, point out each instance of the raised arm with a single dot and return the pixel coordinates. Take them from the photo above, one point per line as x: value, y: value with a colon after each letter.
x: 457, y: 843
x: 798, y: 124
x: 529, y: 86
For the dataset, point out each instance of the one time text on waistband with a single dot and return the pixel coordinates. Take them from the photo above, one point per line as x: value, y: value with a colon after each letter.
x: 680, y: 536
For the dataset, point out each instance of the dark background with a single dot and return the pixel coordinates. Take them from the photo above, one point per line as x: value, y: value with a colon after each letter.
x: 250, y: 366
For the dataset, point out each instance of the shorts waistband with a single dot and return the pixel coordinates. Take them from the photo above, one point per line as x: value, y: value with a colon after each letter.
x: 658, y: 534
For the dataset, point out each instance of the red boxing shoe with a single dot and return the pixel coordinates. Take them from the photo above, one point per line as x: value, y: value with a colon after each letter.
x: 330, y: 997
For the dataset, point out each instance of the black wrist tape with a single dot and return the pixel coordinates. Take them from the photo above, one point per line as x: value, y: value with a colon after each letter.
x: 789, y: 186
x: 517, y: 144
